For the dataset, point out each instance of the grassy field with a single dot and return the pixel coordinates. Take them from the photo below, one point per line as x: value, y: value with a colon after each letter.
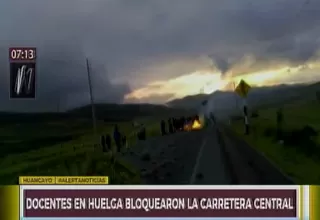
x: 300, y: 159
x: 65, y: 147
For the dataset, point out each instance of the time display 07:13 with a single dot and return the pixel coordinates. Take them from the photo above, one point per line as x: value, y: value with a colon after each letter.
x: 22, y: 54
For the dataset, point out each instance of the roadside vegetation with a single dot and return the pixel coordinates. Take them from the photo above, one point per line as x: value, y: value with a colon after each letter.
x: 59, y: 145
x: 297, y: 151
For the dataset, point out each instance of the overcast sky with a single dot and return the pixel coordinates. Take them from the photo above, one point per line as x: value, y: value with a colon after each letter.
x: 156, y: 50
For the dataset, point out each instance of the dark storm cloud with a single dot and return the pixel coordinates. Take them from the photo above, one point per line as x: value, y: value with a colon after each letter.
x: 221, y: 64
x: 283, y: 31
x: 62, y: 81
x: 124, y: 38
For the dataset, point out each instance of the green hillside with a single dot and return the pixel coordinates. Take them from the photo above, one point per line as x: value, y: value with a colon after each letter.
x: 64, y: 143
x: 298, y: 155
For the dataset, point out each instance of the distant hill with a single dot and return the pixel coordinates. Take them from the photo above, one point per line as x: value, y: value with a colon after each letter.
x: 107, y: 112
x: 189, y: 101
x: 222, y: 101
x: 119, y: 112
x: 258, y: 96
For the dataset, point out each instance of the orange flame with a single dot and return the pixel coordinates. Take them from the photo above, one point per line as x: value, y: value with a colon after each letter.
x: 196, y: 125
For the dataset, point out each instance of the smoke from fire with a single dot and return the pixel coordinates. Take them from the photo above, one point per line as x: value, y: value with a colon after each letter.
x: 222, y: 105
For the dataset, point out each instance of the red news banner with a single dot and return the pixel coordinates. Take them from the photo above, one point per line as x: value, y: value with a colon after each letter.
x: 160, y: 203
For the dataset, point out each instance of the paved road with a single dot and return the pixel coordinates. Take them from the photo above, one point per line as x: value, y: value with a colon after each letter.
x: 208, y: 156
x: 210, y: 165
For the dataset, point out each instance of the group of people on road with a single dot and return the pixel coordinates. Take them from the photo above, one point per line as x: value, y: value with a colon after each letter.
x: 119, y: 139
x: 176, y: 124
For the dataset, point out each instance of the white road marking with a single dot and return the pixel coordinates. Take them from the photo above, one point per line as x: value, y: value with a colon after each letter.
x: 195, y: 168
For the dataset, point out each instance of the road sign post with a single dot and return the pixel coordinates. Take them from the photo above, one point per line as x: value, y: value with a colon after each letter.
x: 318, y: 95
x: 242, y: 90
x: 246, y: 121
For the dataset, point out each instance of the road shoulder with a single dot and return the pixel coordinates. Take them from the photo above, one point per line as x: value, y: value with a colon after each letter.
x: 249, y: 164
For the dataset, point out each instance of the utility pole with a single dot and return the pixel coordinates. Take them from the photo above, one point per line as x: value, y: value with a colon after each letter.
x: 235, y: 96
x: 94, y: 122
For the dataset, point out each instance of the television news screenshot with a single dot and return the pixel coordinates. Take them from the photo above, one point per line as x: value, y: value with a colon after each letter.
x: 159, y: 109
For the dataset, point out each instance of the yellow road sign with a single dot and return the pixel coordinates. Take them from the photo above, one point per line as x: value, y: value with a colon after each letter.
x: 243, y: 89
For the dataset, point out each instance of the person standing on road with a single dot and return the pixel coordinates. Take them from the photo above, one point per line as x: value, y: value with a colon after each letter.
x: 144, y: 133
x: 213, y: 119
x: 170, y: 126
x: 163, y: 127
x: 141, y: 133
x: 124, y: 141
x: 117, y: 137
x: 175, y: 124
x: 108, y: 142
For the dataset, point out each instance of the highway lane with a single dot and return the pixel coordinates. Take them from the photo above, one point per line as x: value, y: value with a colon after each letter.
x: 192, y: 157
x: 210, y: 156
x: 211, y: 166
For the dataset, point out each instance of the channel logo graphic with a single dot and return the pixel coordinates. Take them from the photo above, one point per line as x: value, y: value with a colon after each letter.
x: 23, y: 80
